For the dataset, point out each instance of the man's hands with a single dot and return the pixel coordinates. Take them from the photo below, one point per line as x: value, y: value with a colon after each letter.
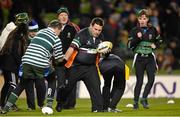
x: 60, y: 63
x: 104, y: 47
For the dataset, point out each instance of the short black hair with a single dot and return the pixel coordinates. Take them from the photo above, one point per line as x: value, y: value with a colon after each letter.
x: 97, y: 20
x: 55, y: 24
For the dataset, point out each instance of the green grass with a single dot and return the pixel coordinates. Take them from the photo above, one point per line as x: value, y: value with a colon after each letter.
x: 158, y: 107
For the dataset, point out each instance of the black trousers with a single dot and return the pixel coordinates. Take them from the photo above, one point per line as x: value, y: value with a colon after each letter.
x: 62, y: 74
x: 40, y: 87
x: 23, y: 85
x: 143, y: 64
x: 89, y: 75
x: 112, y: 67
x: 10, y: 82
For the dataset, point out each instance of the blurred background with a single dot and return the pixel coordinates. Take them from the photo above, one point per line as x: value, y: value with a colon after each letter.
x: 120, y: 18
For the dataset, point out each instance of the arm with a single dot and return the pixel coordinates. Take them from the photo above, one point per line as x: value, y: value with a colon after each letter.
x: 74, y: 46
x: 18, y: 45
x: 68, y: 53
x: 158, y: 39
x: 134, y: 39
x: 58, y: 54
x: 63, y: 61
x: 15, y: 53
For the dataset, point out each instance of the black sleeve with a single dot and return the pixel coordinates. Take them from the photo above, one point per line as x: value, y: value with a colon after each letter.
x: 158, y: 40
x: 76, y: 43
x: 133, y: 39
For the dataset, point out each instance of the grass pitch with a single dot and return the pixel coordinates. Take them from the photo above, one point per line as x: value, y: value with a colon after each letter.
x: 158, y: 107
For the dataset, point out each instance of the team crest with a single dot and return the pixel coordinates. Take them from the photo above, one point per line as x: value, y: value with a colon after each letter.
x: 69, y: 35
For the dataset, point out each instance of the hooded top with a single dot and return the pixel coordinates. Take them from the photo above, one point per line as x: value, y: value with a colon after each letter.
x: 9, y: 27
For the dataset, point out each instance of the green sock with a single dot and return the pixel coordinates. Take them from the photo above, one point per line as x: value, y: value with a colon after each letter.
x: 49, y: 102
x: 11, y: 101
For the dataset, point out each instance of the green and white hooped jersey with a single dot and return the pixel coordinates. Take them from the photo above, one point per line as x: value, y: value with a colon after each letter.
x: 45, y: 45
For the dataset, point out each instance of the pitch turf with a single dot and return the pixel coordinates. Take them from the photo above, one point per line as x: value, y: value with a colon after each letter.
x: 158, y: 107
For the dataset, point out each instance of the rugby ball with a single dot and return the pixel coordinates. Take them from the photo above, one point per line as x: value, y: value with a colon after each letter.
x: 104, y: 47
x: 47, y: 110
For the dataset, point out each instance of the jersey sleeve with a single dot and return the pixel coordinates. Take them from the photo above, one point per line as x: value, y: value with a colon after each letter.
x: 133, y: 40
x: 76, y: 43
x: 158, y: 40
x: 58, y: 54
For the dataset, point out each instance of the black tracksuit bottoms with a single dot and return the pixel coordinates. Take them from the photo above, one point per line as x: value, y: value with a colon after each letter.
x: 89, y: 75
x: 10, y: 83
x: 62, y: 74
x: 113, y: 68
x: 143, y: 64
x: 40, y: 87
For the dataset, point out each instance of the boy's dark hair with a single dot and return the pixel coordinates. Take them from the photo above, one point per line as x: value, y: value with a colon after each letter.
x: 98, y: 21
x: 143, y: 12
x: 55, y: 24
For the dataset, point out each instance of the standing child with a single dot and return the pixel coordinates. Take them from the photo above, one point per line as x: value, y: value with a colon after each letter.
x: 13, y: 47
x: 39, y: 83
x: 143, y: 40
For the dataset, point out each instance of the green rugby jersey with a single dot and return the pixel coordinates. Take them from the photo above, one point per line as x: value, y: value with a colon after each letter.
x: 143, y: 45
x: 29, y: 40
x: 43, y: 46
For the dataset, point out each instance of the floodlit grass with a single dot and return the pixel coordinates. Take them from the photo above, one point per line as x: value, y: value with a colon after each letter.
x: 158, y: 107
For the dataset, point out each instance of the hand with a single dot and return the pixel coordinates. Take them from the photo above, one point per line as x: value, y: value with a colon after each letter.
x: 153, y: 46
x: 108, y: 51
x: 61, y: 63
x: 139, y: 35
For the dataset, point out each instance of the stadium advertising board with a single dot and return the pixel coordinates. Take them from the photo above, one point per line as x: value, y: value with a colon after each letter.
x: 164, y: 86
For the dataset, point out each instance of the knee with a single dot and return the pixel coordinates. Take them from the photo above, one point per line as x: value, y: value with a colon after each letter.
x: 150, y: 82
x: 139, y: 83
x: 107, y: 84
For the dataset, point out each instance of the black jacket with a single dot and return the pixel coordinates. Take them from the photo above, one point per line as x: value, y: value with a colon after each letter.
x: 66, y: 36
x: 12, y: 61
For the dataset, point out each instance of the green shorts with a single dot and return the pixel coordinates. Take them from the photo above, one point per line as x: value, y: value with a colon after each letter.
x: 32, y: 72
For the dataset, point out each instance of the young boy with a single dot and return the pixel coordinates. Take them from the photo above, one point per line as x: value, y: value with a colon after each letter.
x: 36, y: 63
